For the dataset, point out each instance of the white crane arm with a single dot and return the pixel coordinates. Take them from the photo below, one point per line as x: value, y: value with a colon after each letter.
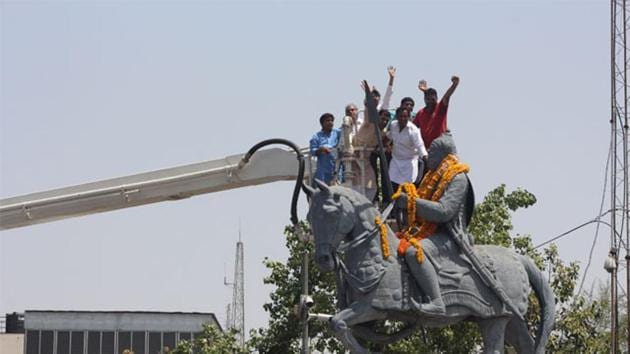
x: 150, y: 187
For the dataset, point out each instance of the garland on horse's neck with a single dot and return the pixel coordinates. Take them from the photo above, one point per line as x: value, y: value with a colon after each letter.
x: 383, y: 233
x: 431, y: 188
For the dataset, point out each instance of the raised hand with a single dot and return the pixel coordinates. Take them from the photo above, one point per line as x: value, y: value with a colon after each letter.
x: 447, y: 95
x: 365, y: 86
x: 423, y: 86
x: 391, y: 71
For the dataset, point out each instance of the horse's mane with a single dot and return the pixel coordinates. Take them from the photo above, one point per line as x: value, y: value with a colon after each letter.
x: 364, y: 208
x: 355, y: 197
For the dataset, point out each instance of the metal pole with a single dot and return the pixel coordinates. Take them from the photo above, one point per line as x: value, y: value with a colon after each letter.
x: 305, y: 339
x: 625, y: 165
x: 613, y: 309
x: 613, y: 184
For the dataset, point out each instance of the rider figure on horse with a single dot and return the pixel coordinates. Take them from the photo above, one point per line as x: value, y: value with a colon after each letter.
x: 443, y: 206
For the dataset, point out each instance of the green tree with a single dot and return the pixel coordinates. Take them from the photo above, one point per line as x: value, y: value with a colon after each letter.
x: 581, y: 321
x: 212, y: 340
x: 283, y: 334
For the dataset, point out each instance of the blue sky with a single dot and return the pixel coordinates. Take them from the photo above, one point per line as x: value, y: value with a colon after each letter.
x: 91, y: 90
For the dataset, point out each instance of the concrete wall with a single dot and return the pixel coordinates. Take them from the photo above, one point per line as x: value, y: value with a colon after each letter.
x: 11, y: 343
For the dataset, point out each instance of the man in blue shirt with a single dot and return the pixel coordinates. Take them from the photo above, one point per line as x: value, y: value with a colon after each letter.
x: 324, y: 146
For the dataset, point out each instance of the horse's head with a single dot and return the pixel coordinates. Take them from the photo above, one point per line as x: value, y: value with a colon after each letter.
x: 332, y: 217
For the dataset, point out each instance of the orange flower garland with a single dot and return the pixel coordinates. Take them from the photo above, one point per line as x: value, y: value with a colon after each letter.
x: 431, y: 188
x: 383, y: 231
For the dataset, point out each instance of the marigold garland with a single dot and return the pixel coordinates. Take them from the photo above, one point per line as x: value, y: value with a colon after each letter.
x: 419, y: 252
x: 383, y: 231
x: 431, y: 188
x: 412, y: 195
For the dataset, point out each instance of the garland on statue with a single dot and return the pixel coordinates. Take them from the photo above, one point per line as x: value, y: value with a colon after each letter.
x: 431, y: 188
x: 383, y: 231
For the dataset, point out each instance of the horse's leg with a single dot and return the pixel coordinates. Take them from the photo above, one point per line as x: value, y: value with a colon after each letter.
x: 493, y: 333
x: 517, y: 335
x: 358, y: 312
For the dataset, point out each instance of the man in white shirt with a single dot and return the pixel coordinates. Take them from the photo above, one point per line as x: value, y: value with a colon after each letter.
x: 407, y: 149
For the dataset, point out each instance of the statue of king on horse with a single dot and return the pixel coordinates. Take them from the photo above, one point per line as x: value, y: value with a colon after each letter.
x: 437, y: 277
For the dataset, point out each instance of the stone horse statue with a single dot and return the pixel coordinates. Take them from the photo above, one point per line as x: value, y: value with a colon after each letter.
x: 372, y: 286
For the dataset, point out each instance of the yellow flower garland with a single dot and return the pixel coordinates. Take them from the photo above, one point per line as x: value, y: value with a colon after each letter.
x: 431, y: 188
x: 383, y: 231
x: 412, y: 195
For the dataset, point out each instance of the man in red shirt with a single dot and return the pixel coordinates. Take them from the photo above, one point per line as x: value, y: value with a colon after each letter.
x: 432, y: 118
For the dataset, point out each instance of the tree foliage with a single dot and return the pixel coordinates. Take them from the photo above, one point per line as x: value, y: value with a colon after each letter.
x: 212, y: 340
x: 581, y: 320
x: 283, y: 334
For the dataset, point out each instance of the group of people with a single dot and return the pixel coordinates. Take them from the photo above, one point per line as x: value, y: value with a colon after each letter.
x: 406, y: 136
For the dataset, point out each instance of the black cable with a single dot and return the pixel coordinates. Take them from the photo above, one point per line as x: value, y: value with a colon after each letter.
x: 298, y: 180
x: 596, y: 220
x: 601, y: 209
x: 567, y: 232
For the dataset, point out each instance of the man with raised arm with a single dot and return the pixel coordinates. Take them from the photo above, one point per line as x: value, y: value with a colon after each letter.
x: 391, y: 71
x: 432, y: 118
x: 365, y: 141
x: 384, y: 104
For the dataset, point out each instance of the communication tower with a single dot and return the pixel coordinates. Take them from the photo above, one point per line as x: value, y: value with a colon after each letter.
x: 238, y: 294
x: 620, y: 220
x: 228, y: 320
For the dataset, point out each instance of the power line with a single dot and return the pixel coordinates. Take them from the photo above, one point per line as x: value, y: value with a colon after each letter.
x: 601, y: 209
x: 595, y: 220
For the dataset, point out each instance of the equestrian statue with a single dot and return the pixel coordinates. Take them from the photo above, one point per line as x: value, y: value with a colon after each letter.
x: 430, y: 273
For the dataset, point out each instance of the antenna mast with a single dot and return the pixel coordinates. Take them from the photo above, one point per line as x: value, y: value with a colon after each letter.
x: 238, y: 295
x: 228, y: 321
x: 620, y: 221
x: 235, y: 317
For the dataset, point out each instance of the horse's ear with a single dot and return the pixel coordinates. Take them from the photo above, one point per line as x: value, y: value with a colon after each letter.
x: 322, y: 186
x: 308, y: 189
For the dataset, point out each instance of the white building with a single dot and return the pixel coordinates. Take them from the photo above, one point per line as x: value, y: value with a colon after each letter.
x: 11, y: 343
x: 109, y: 332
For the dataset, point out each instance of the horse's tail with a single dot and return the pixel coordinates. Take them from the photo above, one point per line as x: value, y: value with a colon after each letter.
x: 546, y: 298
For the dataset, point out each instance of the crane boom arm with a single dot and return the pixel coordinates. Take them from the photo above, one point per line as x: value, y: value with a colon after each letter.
x: 150, y: 187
